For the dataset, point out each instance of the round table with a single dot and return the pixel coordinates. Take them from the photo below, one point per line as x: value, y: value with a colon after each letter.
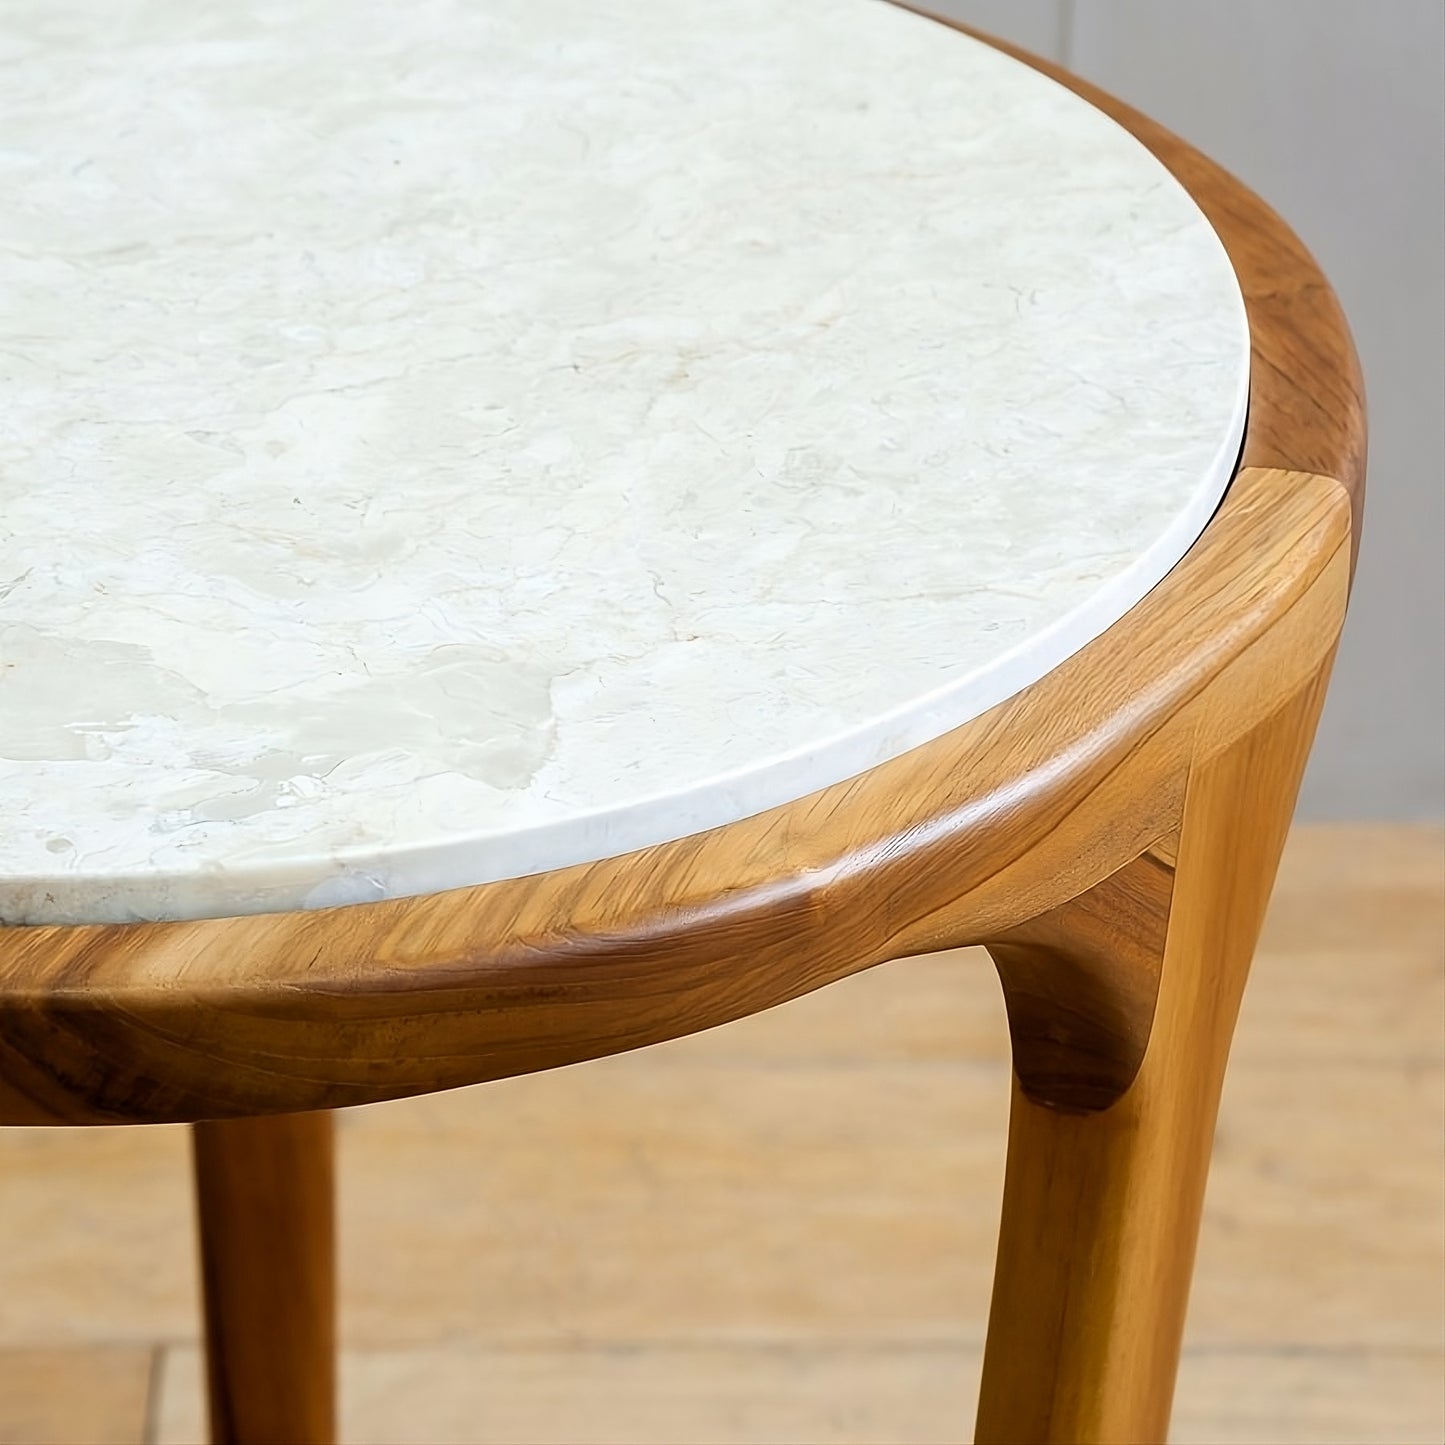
x: 530, y: 530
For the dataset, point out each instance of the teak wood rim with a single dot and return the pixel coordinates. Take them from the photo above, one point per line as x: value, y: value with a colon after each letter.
x: 979, y: 836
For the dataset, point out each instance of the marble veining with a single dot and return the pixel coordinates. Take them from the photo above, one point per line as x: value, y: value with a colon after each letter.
x: 444, y: 441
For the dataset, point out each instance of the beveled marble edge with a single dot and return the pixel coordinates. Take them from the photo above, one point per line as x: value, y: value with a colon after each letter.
x: 588, y: 837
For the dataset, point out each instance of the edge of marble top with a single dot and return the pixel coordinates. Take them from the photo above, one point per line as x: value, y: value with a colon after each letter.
x: 421, y: 869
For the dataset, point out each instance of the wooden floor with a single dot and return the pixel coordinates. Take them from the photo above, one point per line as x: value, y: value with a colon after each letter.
x: 782, y: 1231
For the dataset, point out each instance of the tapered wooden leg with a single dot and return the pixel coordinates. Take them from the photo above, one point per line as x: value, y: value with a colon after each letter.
x: 1102, y: 1196
x: 264, y: 1196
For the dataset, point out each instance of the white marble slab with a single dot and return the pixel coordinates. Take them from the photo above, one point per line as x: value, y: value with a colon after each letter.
x: 443, y: 441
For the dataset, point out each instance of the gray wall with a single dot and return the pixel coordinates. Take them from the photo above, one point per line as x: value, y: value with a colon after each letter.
x: 1334, y: 110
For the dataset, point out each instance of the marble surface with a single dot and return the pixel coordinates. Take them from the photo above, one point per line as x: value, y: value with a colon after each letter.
x: 441, y: 441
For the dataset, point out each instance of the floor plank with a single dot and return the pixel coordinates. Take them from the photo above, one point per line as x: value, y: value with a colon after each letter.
x: 632, y: 1395
x: 1310, y: 1397
x: 84, y: 1395
x: 731, y: 1395
x: 621, y: 1200
x: 1323, y: 1220
x: 105, y: 1216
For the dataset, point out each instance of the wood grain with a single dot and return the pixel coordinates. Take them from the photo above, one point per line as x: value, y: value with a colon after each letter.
x: 1101, y: 1210
x: 264, y: 1204
x: 1014, y: 813
x: 1081, y: 981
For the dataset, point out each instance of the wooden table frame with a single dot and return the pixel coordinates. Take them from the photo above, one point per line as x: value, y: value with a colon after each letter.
x: 1110, y: 834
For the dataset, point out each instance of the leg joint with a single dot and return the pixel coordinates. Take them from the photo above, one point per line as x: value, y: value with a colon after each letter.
x: 1080, y: 982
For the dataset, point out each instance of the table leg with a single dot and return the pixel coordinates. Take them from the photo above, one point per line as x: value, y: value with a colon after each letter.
x: 265, y: 1202
x: 1102, y: 1201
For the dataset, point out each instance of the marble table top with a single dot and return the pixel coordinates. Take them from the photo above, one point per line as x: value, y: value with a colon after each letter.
x: 445, y: 441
